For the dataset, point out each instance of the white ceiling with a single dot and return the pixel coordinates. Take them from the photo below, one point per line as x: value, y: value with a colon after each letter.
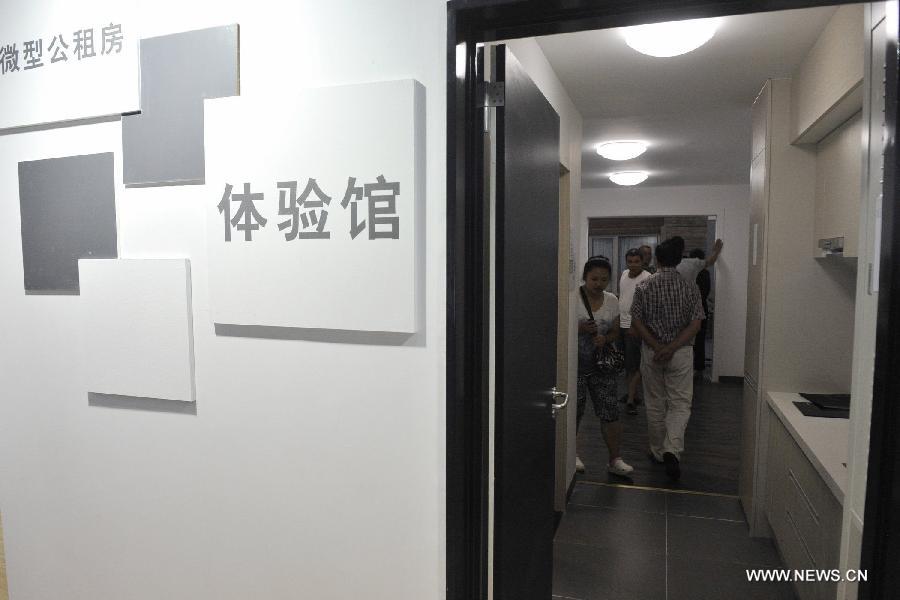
x: 693, y: 109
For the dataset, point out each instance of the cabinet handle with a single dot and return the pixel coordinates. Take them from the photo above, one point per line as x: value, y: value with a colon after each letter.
x: 755, y: 241
x: 796, y: 529
x: 809, y: 504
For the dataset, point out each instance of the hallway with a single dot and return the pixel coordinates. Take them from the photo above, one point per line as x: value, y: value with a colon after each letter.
x: 650, y: 538
x: 711, y: 457
x: 630, y: 543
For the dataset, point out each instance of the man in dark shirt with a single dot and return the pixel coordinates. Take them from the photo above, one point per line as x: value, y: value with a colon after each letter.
x: 647, y: 256
x: 666, y: 313
x: 704, y: 283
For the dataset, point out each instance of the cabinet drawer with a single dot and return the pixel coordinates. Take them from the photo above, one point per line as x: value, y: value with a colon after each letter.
x: 821, y: 499
x: 796, y: 556
x: 806, y: 519
x: 804, y: 514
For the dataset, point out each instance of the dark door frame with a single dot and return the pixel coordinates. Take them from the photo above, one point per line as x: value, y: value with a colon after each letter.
x: 470, y: 22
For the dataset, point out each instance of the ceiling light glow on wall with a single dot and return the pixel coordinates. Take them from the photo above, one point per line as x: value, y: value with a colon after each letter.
x: 629, y: 177
x: 671, y: 38
x: 622, y: 150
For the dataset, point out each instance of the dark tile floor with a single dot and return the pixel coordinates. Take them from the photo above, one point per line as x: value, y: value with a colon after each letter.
x: 646, y: 537
x: 630, y: 543
x: 711, y: 458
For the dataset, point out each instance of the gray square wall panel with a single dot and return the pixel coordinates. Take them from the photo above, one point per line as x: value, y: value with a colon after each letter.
x: 68, y: 208
x: 163, y: 144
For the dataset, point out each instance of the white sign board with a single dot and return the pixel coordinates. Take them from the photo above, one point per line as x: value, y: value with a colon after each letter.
x: 63, y: 61
x: 314, y: 204
x: 137, y: 327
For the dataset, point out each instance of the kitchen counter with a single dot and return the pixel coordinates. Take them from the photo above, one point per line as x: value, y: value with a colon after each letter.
x: 824, y: 441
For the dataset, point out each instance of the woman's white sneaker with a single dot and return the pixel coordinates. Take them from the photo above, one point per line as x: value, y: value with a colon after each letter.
x: 579, y: 466
x: 620, y: 467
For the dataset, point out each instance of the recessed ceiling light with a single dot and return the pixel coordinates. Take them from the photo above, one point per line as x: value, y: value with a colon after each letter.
x: 671, y: 38
x: 622, y: 150
x: 629, y: 177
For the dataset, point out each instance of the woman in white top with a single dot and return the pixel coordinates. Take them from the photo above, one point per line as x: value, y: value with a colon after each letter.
x: 594, y: 333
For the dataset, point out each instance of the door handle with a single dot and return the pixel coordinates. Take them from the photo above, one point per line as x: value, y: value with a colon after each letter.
x: 556, y: 395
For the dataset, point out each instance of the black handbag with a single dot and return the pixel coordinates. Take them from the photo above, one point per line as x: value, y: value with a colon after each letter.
x: 610, y: 359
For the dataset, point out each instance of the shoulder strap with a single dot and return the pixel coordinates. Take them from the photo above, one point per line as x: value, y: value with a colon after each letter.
x: 587, y: 304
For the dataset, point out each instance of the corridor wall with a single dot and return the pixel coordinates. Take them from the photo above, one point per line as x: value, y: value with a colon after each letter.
x: 312, y: 463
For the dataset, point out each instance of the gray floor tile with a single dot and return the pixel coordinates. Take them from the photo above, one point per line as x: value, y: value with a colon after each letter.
x: 711, y: 460
x: 712, y: 507
x: 691, y: 578
x: 707, y: 539
x: 591, y: 573
x: 619, y: 498
x: 611, y: 529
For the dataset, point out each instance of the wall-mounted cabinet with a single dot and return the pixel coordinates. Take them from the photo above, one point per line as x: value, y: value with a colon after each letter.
x: 827, y: 86
x: 826, y: 111
x: 839, y: 188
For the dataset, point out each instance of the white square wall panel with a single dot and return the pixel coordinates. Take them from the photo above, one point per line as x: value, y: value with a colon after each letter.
x: 314, y: 206
x: 137, y: 327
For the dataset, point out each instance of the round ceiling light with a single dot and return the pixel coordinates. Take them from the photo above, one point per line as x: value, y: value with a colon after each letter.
x: 671, y: 38
x: 622, y: 150
x: 629, y: 177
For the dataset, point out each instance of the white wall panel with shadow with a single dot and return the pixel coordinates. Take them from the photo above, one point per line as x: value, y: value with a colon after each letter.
x: 137, y: 328
x: 314, y: 205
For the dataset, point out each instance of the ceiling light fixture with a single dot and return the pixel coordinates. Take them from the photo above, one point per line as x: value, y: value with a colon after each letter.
x: 629, y: 177
x: 621, y: 150
x: 671, y: 38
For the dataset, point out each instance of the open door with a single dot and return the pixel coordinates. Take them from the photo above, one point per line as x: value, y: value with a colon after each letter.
x: 527, y: 188
x: 563, y: 428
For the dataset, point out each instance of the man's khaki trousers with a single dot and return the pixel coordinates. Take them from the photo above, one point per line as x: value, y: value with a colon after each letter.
x: 668, y: 392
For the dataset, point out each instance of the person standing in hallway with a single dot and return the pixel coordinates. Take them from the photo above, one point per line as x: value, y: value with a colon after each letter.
x: 690, y: 267
x: 647, y: 256
x: 666, y: 313
x: 704, y: 284
x: 631, y: 277
x: 598, y: 327
x: 694, y: 269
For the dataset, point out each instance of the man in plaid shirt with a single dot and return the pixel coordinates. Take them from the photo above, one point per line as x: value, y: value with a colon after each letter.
x: 666, y: 313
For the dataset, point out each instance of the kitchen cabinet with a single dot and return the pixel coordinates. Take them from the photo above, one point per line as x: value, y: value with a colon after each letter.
x: 790, y: 294
x: 803, y: 513
x: 839, y: 187
x: 759, y: 196
x: 828, y: 84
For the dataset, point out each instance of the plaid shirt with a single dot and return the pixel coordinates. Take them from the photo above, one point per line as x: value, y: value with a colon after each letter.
x: 666, y: 304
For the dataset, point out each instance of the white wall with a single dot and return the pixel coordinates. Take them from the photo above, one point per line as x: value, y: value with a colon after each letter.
x: 729, y: 203
x: 312, y: 469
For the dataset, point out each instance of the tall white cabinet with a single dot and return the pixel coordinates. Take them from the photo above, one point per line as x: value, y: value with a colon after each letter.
x: 759, y: 197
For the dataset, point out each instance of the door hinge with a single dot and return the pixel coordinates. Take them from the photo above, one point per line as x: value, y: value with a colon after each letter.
x: 491, y: 94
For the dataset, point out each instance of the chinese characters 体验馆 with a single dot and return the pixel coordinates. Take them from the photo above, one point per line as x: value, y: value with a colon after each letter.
x: 307, y: 212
